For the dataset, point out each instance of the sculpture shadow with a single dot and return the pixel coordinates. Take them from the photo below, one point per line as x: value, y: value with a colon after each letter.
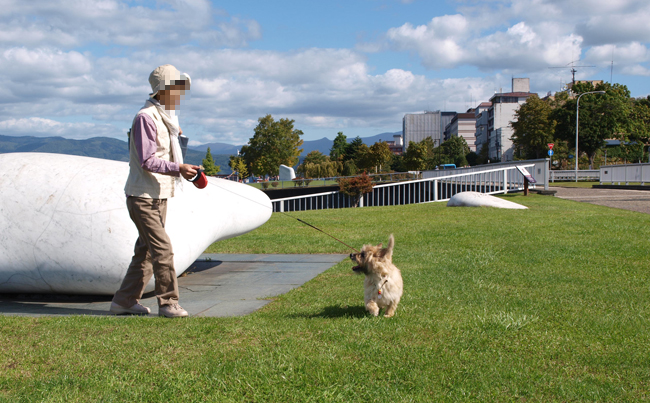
x: 54, y: 304
x: 337, y: 311
x: 200, y: 266
x: 54, y: 298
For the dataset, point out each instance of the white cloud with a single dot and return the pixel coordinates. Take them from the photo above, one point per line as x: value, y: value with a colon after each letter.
x: 629, y: 53
x: 635, y: 70
x: 437, y: 42
x: 538, y: 33
x: 111, y: 22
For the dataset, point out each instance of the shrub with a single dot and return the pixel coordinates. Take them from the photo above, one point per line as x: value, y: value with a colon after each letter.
x: 275, y: 184
x: 356, y: 187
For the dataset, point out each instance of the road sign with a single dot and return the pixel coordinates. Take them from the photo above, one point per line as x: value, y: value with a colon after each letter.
x: 550, y: 153
x: 550, y: 146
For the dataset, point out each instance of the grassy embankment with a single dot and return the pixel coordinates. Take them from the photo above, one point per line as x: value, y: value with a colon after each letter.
x: 546, y: 304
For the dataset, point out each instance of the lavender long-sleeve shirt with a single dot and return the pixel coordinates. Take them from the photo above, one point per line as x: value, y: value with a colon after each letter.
x: 144, y: 136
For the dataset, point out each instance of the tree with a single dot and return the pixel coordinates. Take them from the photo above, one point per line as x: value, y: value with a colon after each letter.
x: 456, y: 149
x: 238, y: 165
x: 380, y: 155
x: 363, y: 158
x: 349, y: 168
x: 315, y: 157
x: 325, y: 169
x: 533, y: 128
x: 209, y: 167
x: 415, y: 157
x: 355, y: 187
x: 601, y: 117
x: 397, y: 163
x: 317, y: 165
x: 640, y: 121
x: 338, y: 147
x: 354, y: 149
x: 274, y: 143
x: 483, y: 156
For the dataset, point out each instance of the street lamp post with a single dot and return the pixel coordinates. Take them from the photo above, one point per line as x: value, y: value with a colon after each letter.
x: 577, y: 110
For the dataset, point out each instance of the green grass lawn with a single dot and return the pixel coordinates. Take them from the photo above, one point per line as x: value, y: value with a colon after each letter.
x: 550, y: 304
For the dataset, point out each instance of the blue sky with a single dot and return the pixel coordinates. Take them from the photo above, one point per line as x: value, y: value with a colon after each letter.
x: 79, y: 68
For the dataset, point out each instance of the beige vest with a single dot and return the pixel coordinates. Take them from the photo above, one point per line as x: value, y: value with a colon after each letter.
x: 147, y: 184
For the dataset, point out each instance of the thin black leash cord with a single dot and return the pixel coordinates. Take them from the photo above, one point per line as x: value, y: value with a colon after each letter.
x: 286, y: 215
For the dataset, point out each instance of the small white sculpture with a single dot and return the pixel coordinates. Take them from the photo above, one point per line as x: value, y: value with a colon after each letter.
x: 286, y: 173
x: 476, y: 199
x: 65, y: 228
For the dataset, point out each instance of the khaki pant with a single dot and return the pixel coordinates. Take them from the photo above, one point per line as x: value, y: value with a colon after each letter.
x: 152, y: 255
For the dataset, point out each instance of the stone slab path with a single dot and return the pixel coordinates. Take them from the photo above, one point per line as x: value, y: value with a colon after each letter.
x: 215, y: 285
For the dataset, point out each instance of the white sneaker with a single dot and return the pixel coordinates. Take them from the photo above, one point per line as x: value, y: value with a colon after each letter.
x: 172, y: 311
x: 136, y: 309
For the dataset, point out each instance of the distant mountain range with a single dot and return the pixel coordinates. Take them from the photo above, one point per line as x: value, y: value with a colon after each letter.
x: 117, y: 150
x: 97, y: 147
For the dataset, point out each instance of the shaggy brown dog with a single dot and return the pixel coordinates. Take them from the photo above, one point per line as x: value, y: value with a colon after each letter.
x: 383, y: 282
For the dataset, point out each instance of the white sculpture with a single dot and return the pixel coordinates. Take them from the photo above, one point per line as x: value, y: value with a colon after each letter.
x: 286, y: 173
x: 476, y: 199
x: 65, y: 228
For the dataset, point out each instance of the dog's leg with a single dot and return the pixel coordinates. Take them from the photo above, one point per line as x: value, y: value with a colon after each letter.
x: 372, y: 307
x: 391, y: 309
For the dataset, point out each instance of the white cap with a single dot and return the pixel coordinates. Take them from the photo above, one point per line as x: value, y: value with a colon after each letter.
x: 164, y: 76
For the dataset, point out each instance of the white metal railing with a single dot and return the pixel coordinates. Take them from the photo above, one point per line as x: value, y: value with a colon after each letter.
x: 570, y: 175
x: 637, y: 173
x: 489, y: 180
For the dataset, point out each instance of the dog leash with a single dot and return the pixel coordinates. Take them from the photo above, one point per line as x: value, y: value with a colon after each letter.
x: 285, y: 214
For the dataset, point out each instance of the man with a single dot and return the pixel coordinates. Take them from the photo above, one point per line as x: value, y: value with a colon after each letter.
x: 156, y: 165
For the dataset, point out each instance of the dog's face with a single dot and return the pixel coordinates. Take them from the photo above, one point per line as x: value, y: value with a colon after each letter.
x: 372, y: 258
x: 364, y: 258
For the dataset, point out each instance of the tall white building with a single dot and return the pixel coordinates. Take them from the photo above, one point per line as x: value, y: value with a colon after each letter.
x: 500, y: 114
x: 418, y: 126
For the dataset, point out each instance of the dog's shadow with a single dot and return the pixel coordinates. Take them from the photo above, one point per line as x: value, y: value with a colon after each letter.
x: 337, y: 311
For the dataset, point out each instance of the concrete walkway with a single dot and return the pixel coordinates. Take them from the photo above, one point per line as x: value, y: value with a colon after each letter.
x: 635, y: 200
x: 215, y: 285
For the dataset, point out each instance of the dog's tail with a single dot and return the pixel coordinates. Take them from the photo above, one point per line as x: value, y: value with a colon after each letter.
x: 389, y: 248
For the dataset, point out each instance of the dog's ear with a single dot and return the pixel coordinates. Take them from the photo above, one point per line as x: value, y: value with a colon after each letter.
x: 380, y: 245
x: 388, y: 251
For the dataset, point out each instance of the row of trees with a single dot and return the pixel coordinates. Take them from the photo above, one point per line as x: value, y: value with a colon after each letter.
x: 613, y: 115
x: 278, y: 142
x: 351, y: 158
x: 424, y: 155
x: 347, y: 159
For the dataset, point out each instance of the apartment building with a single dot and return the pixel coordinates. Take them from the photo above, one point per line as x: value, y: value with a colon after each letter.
x: 463, y: 125
x: 500, y: 114
x: 481, y: 125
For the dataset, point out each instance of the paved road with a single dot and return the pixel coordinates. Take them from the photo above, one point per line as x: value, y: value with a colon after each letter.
x: 635, y: 200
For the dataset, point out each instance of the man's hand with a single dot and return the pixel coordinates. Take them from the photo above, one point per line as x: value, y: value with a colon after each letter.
x: 188, y: 171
